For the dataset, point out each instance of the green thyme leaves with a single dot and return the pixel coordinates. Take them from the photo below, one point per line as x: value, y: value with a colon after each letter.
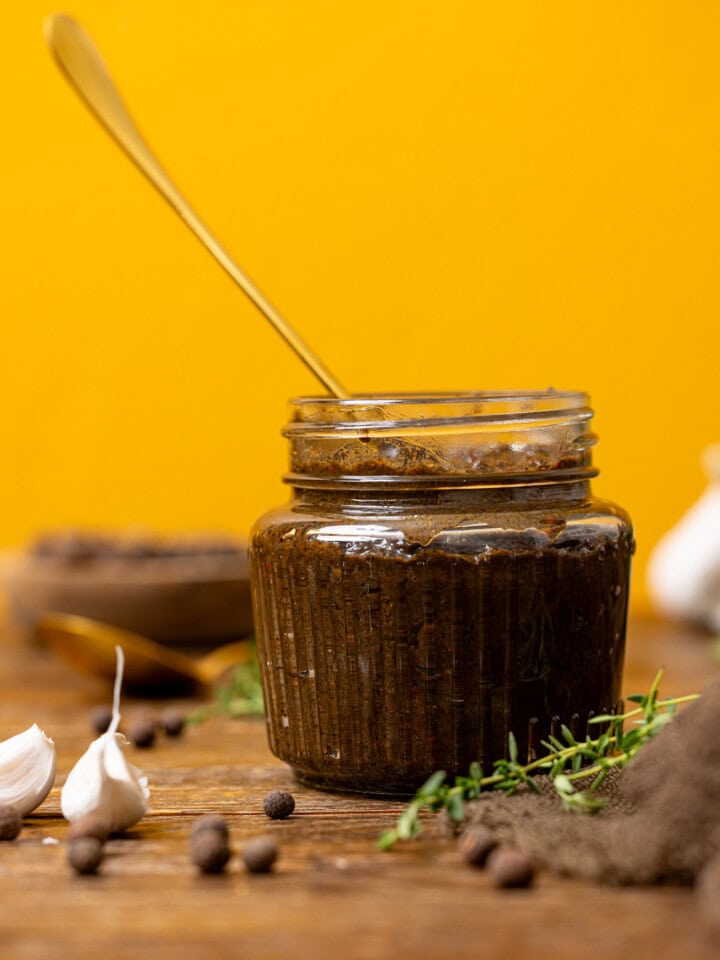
x: 577, y: 768
x: 241, y: 696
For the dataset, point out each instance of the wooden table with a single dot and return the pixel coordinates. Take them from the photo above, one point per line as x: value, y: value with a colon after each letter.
x: 333, y: 894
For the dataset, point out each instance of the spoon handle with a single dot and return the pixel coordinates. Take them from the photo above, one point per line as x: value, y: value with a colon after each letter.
x: 81, y: 62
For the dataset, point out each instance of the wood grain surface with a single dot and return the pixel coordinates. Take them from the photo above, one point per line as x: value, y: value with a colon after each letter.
x: 332, y: 894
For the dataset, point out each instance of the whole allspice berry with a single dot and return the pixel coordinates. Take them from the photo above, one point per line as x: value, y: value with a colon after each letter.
x: 142, y: 732
x: 91, y: 825
x: 278, y: 804
x: 510, y: 868
x: 173, y: 722
x: 85, y: 854
x: 10, y: 822
x: 100, y: 718
x: 209, y: 851
x: 259, y: 854
x: 475, y: 845
x: 214, y: 822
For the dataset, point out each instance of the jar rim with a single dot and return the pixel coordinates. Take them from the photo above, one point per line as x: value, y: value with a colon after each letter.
x: 579, y: 397
x: 468, y: 436
x: 390, y: 412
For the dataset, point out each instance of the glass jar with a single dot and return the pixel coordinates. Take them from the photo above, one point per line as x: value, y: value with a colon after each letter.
x: 442, y: 576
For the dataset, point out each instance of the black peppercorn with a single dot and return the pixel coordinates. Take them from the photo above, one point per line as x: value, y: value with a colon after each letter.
x: 259, y: 854
x: 213, y: 822
x: 475, y: 844
x: 278, y: 804
x: 173, y: 722
x: 100, y: 718
x: 91, y: 825
x: 85, y: 854
x: 142, y: 732
x: 209, y: 851
x: 510, y: 868
x: 10, y: 822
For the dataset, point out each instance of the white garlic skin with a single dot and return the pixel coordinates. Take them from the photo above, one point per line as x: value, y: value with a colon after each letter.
x: 684, y: 568
x: 27, y: 769
x: 103, y: 783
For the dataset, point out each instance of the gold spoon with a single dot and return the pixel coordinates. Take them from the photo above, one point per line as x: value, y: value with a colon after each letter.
x: 81, y: 62
x: 89, y: 646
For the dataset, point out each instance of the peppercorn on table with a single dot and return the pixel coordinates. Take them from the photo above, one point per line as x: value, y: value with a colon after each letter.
x: 332, y: 892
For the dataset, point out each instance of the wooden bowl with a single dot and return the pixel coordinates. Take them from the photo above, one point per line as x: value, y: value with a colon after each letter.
x: 197, y: 598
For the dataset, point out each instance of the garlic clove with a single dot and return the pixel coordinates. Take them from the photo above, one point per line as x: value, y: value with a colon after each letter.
x: 27, y: 769
x: 684, y: 568
x: 102, y: 782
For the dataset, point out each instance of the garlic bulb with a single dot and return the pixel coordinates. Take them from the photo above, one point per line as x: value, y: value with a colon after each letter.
x: 102, y: 782
x: 684, y: 569
x: 27, y: 769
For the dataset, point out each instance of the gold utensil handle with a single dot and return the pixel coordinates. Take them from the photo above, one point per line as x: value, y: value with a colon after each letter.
x: 81, y: 62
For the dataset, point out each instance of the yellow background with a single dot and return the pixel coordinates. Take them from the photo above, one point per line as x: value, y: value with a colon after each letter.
x: 457, y: 195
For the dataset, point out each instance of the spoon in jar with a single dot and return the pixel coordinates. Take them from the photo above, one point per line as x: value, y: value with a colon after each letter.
x: 89, y: 646
x: 81, y: 62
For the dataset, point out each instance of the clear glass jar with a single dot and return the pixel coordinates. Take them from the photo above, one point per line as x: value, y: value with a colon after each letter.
x: 441, y: 576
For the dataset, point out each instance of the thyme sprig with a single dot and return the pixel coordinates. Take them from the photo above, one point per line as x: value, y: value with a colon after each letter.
x: 569, y: 762
x: 241, y: 696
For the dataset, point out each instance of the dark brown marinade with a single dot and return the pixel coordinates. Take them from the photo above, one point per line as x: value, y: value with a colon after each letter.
x: 381, y: 665
x: 373, y: 456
